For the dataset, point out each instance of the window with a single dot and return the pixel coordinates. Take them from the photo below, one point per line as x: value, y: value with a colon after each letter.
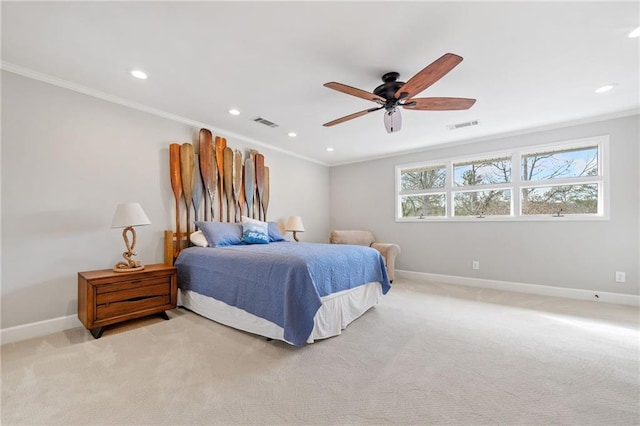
x: 577, y: 168
x: 422, y: 190
x: 563, y: 180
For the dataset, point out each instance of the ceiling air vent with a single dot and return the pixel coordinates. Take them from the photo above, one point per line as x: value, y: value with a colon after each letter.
x: 265, y: 122
x: 461, y: 125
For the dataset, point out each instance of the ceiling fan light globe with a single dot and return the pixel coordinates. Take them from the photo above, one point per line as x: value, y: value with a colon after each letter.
x: 392, y: 120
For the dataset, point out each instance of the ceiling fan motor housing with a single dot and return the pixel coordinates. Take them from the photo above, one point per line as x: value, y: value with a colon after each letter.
x: 389, y: 88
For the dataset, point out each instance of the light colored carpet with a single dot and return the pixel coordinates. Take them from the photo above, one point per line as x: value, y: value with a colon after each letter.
x: 428, y: 354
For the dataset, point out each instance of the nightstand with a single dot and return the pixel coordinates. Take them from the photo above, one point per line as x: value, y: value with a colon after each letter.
x: 106, y: 297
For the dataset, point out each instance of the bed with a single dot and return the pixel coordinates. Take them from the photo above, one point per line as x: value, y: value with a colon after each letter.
x: 293, y: 292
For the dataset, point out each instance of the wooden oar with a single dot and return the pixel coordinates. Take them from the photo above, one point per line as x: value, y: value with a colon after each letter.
x: 206, y: 157
x: 221, y: 144
x: 198, y: 188
x: 241, y: 197
x: 254, y: 197
x: 237, y: 181
x: 213, y: 183
x: 228, y: 179
x: 187, y: 163
x: 176, y: 185
x: 265, y: 194
x: 249, y: 184
x: 260, y: 182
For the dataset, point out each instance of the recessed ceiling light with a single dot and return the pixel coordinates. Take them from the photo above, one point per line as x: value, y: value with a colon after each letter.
x: 635, y: 33
x: 605, y: 88
x: 139, y: 74
x: 234, y: 111
x: 330, y: 149
x: 292, y: 134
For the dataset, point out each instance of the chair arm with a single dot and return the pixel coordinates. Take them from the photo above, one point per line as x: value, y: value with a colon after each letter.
x: 389, y: 251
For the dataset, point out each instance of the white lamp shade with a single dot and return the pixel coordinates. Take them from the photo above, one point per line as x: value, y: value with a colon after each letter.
x: 129, y: 214
x: 294, y: 224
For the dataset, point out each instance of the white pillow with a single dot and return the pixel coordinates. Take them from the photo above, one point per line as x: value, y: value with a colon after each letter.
x: 198, y: 239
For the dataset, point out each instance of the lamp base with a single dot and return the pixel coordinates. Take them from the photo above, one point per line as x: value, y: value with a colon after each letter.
x: 295, y: 237
x: 130, y: 265
x: 122, y: 267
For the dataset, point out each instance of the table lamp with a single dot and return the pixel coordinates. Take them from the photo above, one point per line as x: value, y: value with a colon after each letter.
x: 294, y: 224
x: 127, y: 216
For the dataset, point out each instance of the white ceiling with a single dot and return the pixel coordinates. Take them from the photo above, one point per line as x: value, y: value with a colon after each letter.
x: 529, y: 64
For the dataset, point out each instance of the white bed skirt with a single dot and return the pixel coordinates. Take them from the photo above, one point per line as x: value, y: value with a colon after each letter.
x: 337, y: 311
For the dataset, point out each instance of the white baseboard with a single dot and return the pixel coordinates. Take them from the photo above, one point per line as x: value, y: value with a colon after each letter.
x: 569, y: 293
x: 37, y: 329
x: 42, y: 328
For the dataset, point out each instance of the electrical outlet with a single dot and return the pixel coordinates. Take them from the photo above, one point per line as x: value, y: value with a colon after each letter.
x: 475, y: 264
x: 621, y: 277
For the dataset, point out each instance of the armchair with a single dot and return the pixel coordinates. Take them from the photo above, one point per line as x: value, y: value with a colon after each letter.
x: 389, y: 251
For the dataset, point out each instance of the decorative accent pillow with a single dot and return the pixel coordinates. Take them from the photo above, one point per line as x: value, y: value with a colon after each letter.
x: 254, y: 231
x: 274, y: 233
x: 198, y: 239
x: 220, y: 234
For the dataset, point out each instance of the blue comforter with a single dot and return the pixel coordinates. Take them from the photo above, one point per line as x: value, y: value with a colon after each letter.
x: 280, y: 282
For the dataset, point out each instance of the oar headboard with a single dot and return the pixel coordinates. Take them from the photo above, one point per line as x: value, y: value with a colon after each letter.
x: 244, y: 184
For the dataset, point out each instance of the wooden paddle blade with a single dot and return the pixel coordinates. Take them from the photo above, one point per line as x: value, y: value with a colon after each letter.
x: 198, y: 187
x: 206, y: 166
x: 241, y: 196
x: 213, y: 182
x: 228, y: 179
x: 176, y: 185
x: 429, y: 75
x: 220, y: 145
x: 237, y: 176
x: 439, y: 104
x: 265, y: 193
x: 249, y: 183
x: 174, y: 169
x: 350, y: 117
x: 259, y: 181
x: 187, y: 163
x: 355, y: 92
x: 206, y: 149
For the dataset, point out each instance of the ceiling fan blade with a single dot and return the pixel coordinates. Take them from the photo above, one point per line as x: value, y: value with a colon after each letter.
x: 355, y: 92
x: 429, y: 75
x: 439, y: 104
x: 351, y: 116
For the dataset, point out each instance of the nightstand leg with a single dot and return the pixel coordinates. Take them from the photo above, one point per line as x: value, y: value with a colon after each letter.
x: 164, y: 315
x: 97, y: 332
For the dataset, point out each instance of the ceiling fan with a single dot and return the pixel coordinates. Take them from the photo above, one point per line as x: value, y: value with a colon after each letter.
x: 393, y: 94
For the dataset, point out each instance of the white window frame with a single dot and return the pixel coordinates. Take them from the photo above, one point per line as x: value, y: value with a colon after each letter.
x: 516, y: 185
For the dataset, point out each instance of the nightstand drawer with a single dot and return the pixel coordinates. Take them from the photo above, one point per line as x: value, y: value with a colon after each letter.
x: 117, y: 308
x: 139, y: 284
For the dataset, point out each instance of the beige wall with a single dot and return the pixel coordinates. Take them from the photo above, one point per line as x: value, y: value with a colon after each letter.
x: 578, y: 255
x: 68, y: 159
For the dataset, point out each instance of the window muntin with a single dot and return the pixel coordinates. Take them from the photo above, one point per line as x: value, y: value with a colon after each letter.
x: 482, y: 203
x: 489, y: 171
x: 567, y: 175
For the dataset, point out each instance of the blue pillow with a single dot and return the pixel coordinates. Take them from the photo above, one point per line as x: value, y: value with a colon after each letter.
x: 274, y: 233
x: 254, y: 231
x: 219, y: 234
